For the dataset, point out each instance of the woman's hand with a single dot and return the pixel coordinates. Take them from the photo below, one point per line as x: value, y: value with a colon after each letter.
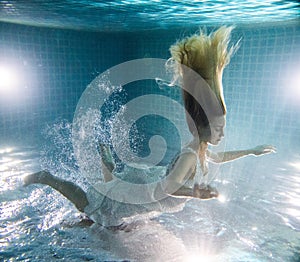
x: 263, y: 149
x: 204, y: 191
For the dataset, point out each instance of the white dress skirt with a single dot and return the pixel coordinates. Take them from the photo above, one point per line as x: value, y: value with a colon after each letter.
x: 133, y: 195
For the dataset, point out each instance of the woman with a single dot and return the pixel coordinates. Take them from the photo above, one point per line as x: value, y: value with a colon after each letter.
x: 198, y: 63
x: 111, y: 204
x: 113, y: 214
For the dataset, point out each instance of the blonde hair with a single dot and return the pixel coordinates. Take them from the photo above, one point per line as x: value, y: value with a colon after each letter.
x: 207, y: 55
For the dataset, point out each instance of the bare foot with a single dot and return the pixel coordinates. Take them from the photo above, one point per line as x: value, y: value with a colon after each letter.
x: 126, y: 227
x: 38, y: 177
x: 85, y: 222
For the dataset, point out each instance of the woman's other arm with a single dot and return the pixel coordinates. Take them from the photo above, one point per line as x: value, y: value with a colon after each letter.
x: 228, y: 156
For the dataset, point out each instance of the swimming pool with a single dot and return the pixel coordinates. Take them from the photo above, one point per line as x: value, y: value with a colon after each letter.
x: 258, y: 218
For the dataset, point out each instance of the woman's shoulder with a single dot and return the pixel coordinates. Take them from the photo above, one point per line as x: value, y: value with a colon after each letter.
x: 185, y: 152
x: 188, y: 150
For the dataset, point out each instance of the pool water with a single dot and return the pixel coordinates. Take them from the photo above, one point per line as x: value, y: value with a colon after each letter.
x: 118, y: 16
x: 256, y: 220
x: 55, y: 50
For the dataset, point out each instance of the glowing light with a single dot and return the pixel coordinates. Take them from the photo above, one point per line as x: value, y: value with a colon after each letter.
x: 296, y: 84
x: 295, y: 164
x: 222, y: 198
x: 200, y: 257
x: 6, y: 150
x: 197, y: 258
x: 293, y: 212
x: 293, y: 85
x: 9, y: 79
x: 293, y: 198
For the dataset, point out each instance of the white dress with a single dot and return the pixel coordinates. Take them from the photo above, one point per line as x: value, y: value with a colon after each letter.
x: 116, y: 202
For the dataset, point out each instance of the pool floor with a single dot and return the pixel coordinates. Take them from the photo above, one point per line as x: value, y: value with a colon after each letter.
x: 258, y: 218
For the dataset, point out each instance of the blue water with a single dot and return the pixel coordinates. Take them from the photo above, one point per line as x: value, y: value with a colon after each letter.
x: 258, y: 218
x: 144, y: 15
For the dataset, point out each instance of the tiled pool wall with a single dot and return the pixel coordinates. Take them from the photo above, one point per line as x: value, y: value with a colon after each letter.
x: 58, y: 65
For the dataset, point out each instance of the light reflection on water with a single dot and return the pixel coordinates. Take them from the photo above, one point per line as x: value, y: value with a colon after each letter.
x: 288, y: 195
x: 144, y: 15
x: 257, y: 222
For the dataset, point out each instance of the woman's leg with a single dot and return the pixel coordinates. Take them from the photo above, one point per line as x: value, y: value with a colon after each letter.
x: 107, y: 161
x: 71, y: 191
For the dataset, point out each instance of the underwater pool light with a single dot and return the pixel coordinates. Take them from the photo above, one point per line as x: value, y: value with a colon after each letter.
x: 9, y: 79
x: 295, y: 165
x: 200, y: 257
x: 6, y: 150
x: 222, y: 198
x: 292, y: 85
x: 296, y: 84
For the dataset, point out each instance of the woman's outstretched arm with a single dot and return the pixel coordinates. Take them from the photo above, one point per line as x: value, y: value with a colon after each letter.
x: 223, y: 157
x: 71, y: 191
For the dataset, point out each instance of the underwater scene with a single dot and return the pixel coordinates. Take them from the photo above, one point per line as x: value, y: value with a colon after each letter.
x: 150, y: 131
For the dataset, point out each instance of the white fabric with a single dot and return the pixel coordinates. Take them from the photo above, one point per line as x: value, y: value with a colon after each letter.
x: 109, y: 212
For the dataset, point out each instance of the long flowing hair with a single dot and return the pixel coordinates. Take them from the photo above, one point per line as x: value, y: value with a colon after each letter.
x: 207, y: 55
